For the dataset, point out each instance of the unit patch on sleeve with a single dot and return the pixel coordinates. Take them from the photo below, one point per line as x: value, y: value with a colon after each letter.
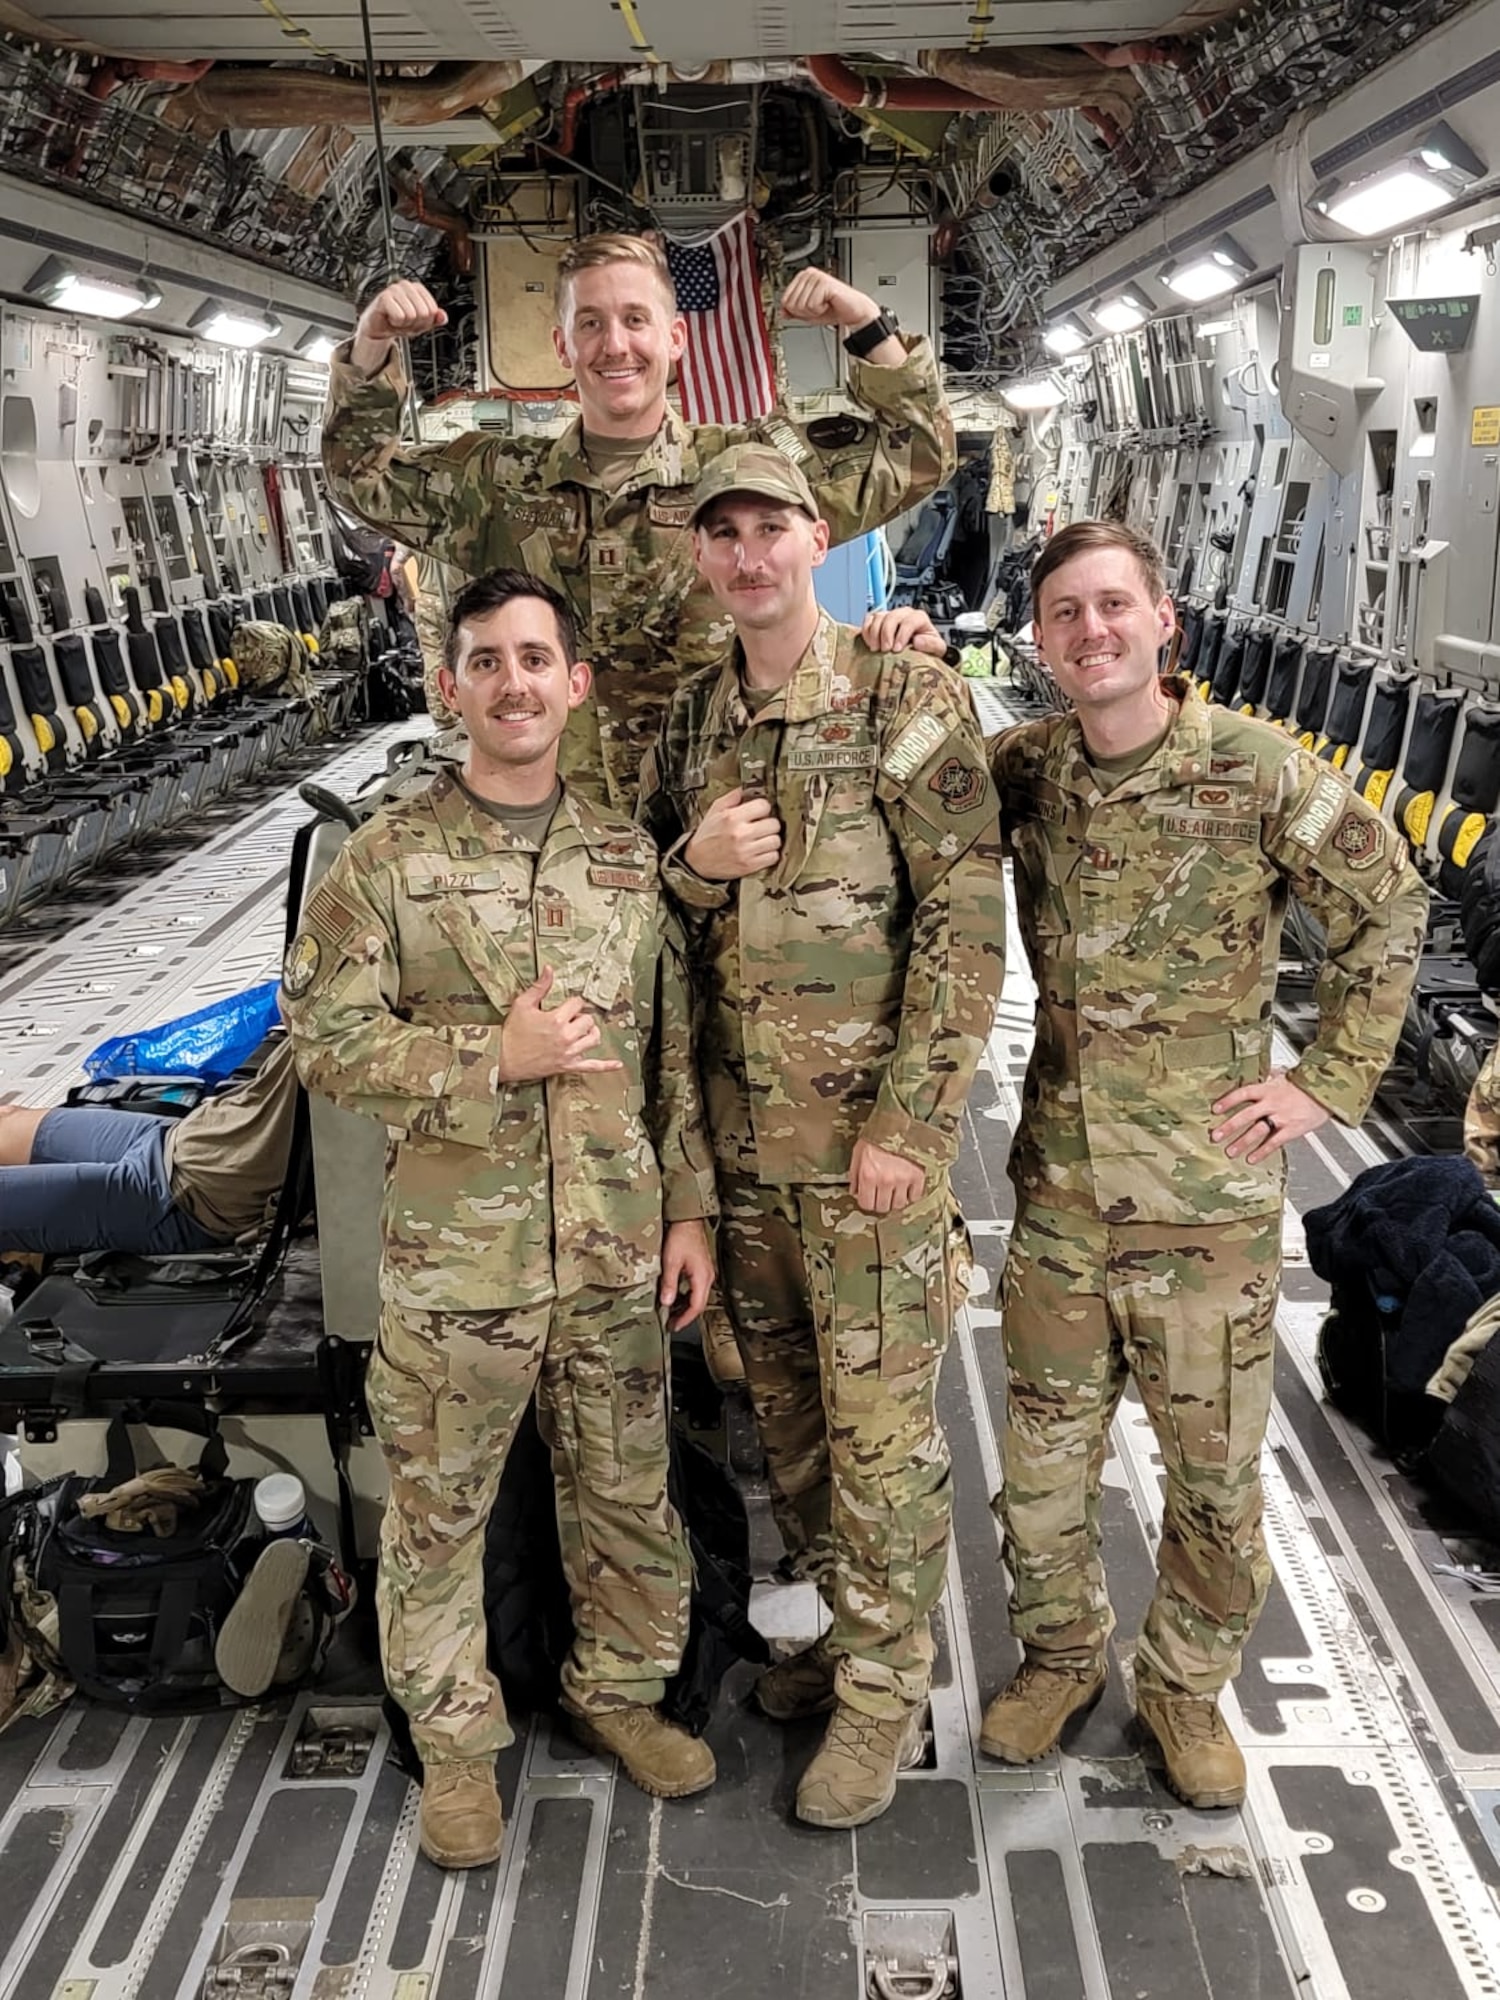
x: 913, y: 747
x: 1359, y: 838
x: 834, y: 433
x: 1315, y: 818
x: 957, y: 784
x: 303, y: 957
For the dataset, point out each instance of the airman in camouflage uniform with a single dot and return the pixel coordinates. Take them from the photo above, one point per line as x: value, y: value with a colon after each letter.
x: 455, y: 967
x: 847, y: 937
x: 605, y: 523
x: 433, y: 590
x: 1482, y: 1119
x: 1156, y: 841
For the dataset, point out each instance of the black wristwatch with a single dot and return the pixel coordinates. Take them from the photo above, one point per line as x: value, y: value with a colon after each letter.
x: 865, y: 339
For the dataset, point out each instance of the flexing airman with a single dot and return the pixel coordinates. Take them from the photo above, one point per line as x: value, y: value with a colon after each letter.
x: 602, y: 512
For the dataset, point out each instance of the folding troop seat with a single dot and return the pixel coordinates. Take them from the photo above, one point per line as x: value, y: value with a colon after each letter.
x: 1190, y: 620
x: 218, y: 688
x: 1255, y: 670
x: 1281, y: 681
x: 1314, y: 691
x: 1424, y: 768
x: 1352, y: 680
x: 308, y: 619
x: 1225, y: 681
x: 1208, y: 653
x: 60, y: 824
x: 127, y: 702
x: 96, y: 718
x: 59, y: 747
x: 164, y: 703
x: 1385, y: 732
x: 1473, y: 794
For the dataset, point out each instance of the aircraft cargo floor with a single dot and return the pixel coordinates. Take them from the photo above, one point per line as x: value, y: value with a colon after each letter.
x: 271, y: 1850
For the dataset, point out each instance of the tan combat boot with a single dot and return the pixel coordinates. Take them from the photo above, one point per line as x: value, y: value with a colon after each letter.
x: 1203, y: 1762
x: 659, y: 1756
x: 720, y: 1348
x: 1025, y: 1720
x: 460, y: 1824
x: 853, y: 1777
x: 800, y: 1685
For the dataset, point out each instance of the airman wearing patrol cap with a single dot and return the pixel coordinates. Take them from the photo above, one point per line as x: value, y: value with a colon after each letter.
x: 829, y: 835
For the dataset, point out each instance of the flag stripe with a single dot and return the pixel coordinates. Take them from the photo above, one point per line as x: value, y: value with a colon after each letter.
x: 725, y: 374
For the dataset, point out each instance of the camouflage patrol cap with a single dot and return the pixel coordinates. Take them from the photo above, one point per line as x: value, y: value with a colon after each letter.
x: 753, y: 468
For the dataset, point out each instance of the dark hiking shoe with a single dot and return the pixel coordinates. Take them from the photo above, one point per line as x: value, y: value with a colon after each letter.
x: 800, y: 1685
x: 248, y: 1648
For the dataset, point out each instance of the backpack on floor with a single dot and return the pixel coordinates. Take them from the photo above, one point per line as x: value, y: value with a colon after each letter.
x: 131, y: 1617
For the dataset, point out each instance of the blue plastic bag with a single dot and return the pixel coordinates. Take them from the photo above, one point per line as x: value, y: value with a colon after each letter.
x: 211, y: 1043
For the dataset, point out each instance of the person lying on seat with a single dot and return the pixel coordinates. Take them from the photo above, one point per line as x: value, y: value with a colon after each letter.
x: 78, y: 1178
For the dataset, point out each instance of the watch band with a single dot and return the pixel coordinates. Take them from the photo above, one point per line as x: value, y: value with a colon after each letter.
x: 865, y: 339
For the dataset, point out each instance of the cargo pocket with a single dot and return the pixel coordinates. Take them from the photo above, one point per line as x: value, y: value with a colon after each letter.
x: 915, y: 1285
x: 614, y: 1415
x: 402, y: 1381
x: 920, y: 1510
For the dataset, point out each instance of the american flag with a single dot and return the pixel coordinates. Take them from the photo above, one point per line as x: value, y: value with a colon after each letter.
x: 725, y: 372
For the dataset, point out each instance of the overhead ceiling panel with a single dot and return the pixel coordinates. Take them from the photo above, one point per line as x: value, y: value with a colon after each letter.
x: 680, y: 31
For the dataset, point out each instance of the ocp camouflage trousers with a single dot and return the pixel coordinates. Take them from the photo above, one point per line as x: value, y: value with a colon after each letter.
x: 1189, y: 1314
x: 446, y: 1392
x: 842, y: 1319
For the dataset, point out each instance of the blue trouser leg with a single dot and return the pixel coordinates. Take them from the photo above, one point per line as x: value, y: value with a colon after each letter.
x: 97, y: 1181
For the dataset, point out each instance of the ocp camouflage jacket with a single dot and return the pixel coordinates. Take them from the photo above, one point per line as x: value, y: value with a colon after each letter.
x: 624, y: 559
x: 847, y: 992
x: 1153, y: 922
x: 413, y: 947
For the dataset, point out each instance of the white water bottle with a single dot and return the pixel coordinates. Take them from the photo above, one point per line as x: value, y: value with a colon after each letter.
x: 281, y: 1507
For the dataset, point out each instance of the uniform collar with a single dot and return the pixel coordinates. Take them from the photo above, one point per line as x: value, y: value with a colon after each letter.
x: 1183, y: 756
x: 671, y: 459
x: 819, y: 683
x: 467, y: 833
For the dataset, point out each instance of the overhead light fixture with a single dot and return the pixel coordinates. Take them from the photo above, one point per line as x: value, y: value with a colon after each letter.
x: 1385, y: 201
x: 1438, y: 169
x: 71, y: 290
x: 1067, y: 336
x: 1205, y: 274
x: 233, y: 326
x: 1040, y: 394
x: 316, y: 345
x: 1441, y: 151
x: 1123, y: 313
